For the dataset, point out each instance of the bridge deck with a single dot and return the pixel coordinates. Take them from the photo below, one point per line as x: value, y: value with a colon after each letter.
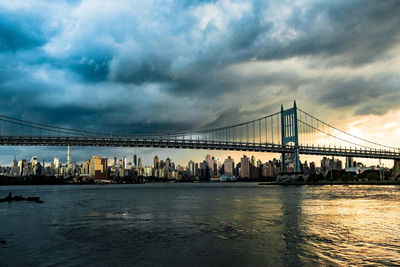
x: 193, y: 144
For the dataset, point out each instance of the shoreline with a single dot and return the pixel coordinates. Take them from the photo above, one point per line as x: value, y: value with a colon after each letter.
x: 232, y: 182
x: 334, y: 183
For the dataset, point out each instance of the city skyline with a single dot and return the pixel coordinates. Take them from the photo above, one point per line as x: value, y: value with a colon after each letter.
x: 137, y: 160
x: 220, y: 63
x: 180, y: 156
x: 98, y: 168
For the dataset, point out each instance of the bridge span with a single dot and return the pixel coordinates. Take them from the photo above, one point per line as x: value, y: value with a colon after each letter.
x: 195, y: 144
x: 290, y: 132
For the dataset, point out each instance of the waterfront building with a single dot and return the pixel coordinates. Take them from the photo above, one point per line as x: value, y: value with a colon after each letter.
x: 21, y: 166
x: 253, y: 160
x: 148, y: 171
x: 156, y: 162
x: 85, y: 168
x: 98, y: 167
x: 259, y: 163
x: 15, y: 162
x: 349, y: 162
x: 191, y: 169
x: 34, y: 160
x: 56, y: 162
x: 15, y: 169
x: 312, y: 168
x: 244, y: 167
x: 229, y: 166
x: 212, y: 165
x: 125, y: 163
x: 204, y: 170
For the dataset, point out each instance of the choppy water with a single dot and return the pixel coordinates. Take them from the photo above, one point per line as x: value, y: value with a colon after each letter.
x: 201, y: 225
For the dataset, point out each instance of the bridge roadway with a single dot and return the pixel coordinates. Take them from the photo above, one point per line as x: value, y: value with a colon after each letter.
x: 193, y: 144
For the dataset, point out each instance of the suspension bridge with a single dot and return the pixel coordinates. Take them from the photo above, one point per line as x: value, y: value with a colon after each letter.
x: 290, y: 132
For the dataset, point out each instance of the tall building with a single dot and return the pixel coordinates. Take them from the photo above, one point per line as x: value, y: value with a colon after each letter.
x: 85, y: 168
x: 135, y: 160
x: 56, y: 162
x: 15, y: 169
x: 253, y: 160
x: 196, y: 169
x: 69, y: 155
x: 349, y: 162
x: 312, y: 168
x: 191, y: 170
x: 15, y: 162
x: 204, y: 171
x: 21, y: 166
x: 139, y: 161
x: 210, y: 164
x: 34, y: 165
x: 156, y: 162
x: 229, y: 166
x: 259, y: 163
x: 244, y: 167
x: 34, y: 160
x: 98, y: 167
x: 324, y: 164
x: 169, y: 164
x: 305, y: 168
x: 125, y: 163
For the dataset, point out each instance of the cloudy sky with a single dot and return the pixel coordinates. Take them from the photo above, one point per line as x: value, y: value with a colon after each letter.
x: 139, y: 66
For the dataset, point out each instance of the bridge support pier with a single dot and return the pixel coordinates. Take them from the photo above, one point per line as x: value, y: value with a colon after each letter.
x: 396, y: 169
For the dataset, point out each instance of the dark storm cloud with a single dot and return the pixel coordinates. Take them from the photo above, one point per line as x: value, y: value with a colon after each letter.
x: 20, y: 31
x: 370, y: 96
x: 117, y: 66
x: 357, y: 31
x: 357, y: 91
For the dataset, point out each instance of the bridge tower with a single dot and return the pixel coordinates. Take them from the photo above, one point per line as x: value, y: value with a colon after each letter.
x: 290, y: 134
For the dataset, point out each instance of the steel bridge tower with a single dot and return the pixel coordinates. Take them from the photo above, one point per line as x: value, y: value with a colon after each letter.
x: 290, y: 135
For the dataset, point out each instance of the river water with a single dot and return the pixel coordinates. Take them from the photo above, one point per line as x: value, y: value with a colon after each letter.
x: 222, y: 224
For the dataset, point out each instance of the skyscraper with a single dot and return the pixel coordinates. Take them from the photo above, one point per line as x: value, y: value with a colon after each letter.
x: 253, y: 160
x: 56, y: 162
x: 135, y: 160
x: 168, y: 164
x: 125, y: 163
x: 229, y: 165
x: 259, y: 163
x: 156, y: 162
x: 349, y: 162
x: 244, y: 167
x: 191, y: 169
x: 98, y: 167
x: 69, y: 155
x: 204, y: 171
x: 34, y: 160
x: 15, y: 162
